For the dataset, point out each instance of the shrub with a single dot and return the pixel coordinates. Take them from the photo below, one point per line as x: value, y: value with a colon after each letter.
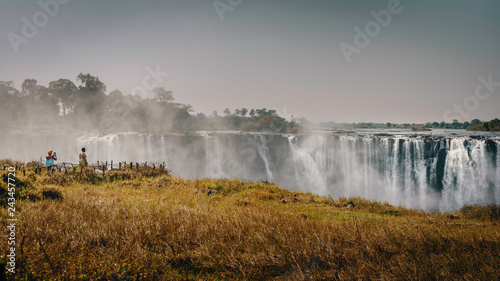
x: 481, y: 212
x: 52, y: 193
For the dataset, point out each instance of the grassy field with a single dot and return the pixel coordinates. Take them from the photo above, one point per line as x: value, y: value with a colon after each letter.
x: 148, y: 225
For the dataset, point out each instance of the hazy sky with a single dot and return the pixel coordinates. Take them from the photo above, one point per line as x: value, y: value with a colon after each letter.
x: 281, y: 54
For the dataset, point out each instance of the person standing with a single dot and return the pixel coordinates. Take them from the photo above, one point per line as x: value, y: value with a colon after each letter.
x: 49, y: 160
x: 83, y: 159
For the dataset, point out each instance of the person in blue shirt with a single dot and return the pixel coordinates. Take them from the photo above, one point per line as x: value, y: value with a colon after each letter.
x: 49, y: 160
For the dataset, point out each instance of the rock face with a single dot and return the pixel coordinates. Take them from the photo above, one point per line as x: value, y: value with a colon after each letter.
x: 426, y: 172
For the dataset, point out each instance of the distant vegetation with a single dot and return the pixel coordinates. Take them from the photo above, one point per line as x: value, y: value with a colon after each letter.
x: 415, y: 127
x: 143, y: 224
x: 492, y: 126
x: 88, y: 107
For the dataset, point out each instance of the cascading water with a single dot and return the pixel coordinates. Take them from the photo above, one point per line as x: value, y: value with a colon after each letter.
x: 395, y: 171
x: 306, y: 170
x: 465, y: 179
x: 434, y: 173
x: 212, y: 157
x: 398, y: 169
x: 263, y: 151
x: 420, y: 173
x: 164, y: 151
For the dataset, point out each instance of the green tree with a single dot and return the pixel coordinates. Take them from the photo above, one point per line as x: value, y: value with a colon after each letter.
x: 29, y: 88
x: 10, y: 103
x: 476, y: 122
x: 227, y: 112
x: 163, y: 95
x: 89, y: 99
x: 455, y: 124
x: 261, y: 112
x: 244, y: 112
x: 494, y: 125
x: 270, y: 123
x: 64, y: 90
x: 91, y: 84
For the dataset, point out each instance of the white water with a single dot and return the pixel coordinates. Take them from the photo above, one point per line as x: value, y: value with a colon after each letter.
x: 264, y: 155
x: 465, y: 180
x: 307, y: 172
x: 369, y: 166
x: 213, y: 157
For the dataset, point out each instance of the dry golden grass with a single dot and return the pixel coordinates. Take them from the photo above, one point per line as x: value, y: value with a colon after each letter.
x: 149, y: 225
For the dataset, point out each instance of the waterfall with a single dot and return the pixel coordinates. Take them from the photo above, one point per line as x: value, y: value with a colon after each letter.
x: 431, y: 173
x: 420, y: 173
x: 263, y: 151
x: 465, y: 180
x: 395, y: 171
x: 213, y: 167
x: 408, y: 168
x: 164, y: 155
x: 149, y: 150
x: 385, y: 164
x: 307, y: 172
x: 349, y: 165
x: 369, y: 166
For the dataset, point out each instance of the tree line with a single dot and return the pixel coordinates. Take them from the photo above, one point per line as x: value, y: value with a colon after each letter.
x: 87, y: 106
x: 491, y: 126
